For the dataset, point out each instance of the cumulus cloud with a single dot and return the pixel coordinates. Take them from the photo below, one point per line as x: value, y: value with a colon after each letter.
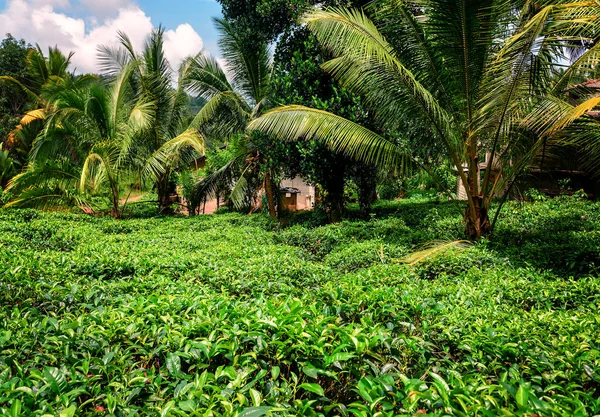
x: 104, y: 8
x: 181, y: 43
x: 47, y: 23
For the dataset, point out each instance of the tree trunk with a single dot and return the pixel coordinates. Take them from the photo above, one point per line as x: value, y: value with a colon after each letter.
x: 477, y: 224
x: 270, y: 195
x: 335, y: 198
x: 366, y: 180
x: 366, y: 197
x: 163, y: 189
x: 114, y: 212
x: 333, y: 185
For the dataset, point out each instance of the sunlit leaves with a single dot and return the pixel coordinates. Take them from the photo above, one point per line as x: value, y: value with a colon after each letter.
x: 229, y: 315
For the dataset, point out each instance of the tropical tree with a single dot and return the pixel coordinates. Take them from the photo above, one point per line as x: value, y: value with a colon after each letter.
x: 90, y: 143
x: 87, y: 143
x: 467, y: 72
x: 44, y: 76
x: 170, y: 127
x: 299, y: 79
x: 233, y: 99
x: 13, y: 63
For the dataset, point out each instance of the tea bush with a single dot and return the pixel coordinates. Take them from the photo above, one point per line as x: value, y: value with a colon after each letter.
x: 230, y: 315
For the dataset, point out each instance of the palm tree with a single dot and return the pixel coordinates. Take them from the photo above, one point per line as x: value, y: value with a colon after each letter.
x: 91, y: 141
x: 87, y: 143
x: 45, y: 76
x: 468, y: 72
x: 233, y: 99
x: 170, y: 127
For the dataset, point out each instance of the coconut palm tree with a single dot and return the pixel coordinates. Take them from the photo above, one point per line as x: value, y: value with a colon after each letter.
x: 170, y: 126
x: 233, y: 98
x: 467, y: 72
x: 91, y: 141
x: 45, y: 76
x: 86, y: 144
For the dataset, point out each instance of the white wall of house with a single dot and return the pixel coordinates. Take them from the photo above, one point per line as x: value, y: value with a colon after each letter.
x: 306, y: 198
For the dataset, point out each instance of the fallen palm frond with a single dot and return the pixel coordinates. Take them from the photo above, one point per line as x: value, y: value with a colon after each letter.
x: 434, y: 250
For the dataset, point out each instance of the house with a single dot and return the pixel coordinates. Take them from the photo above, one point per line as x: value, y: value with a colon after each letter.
x: 556, y: 171
x: 296, y: 194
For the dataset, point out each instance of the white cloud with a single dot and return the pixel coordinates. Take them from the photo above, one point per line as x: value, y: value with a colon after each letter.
x: 51, y: 3
x: 38, y: 21
x: 104, y: 8
x: 181, y: 43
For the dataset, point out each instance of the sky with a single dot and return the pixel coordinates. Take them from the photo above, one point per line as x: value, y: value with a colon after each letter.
x: 81, y: 25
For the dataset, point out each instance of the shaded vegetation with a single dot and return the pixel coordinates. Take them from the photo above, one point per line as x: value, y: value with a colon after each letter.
x: 234, y: 315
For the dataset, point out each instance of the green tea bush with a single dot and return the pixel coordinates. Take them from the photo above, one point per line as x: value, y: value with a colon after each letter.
x: 322, y: 240
x: 363, y: 254
x: 232, y: 315
x: 458, y: 262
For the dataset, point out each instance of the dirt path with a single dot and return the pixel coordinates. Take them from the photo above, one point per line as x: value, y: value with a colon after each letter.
x: 209, y: 208
x: 131, y: 199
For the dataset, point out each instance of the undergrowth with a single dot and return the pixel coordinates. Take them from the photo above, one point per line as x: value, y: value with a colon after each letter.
x: 234, y: 315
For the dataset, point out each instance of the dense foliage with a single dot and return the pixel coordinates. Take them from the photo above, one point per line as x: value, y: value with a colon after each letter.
x: 13, y: 62
x: 299, y: 79
x: 389, y: 312
x: 86, y: 136
x: 233, y: 315
x: 482, y: 80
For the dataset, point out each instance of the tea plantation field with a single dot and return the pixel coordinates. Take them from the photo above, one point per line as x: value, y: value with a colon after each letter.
x: 233, y: 315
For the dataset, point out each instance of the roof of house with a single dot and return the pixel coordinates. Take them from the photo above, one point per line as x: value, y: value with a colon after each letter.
x: 592, y: 84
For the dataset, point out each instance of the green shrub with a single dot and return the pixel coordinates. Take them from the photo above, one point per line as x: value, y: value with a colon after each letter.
x: 233, y: 315
x: 390, y: 188
x: 363, y: 255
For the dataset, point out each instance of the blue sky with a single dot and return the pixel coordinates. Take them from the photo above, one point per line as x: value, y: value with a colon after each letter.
x: 198, y: 13
x: 81, y: 25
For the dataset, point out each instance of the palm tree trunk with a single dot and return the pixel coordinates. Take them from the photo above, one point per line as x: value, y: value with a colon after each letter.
x: 163, y: 191
x: 270, y: 195
x: 115, y: 213
x: 478, y: 223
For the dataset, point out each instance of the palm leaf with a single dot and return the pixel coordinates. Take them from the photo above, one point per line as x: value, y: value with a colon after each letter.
x: 225, y: 113
x: 341, y: 135
x: 171, y: 154
x: 435, y: 249
x: 248, y: 64
x: 205, y: 77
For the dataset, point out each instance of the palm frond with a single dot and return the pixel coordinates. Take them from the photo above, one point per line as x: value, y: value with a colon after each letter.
x: 121, y: 95
x: 436, y: 249
x: 411, y: 42
x: 112, y: 60
x: 38, y: 114
x: 339, y: 134
x: 49, y: 185
x: 31, y: 96
x: 554, y: 115
x: 584, y: 65
x: 94, y: 172
x: 171, y: 154
x: 205, y: 77
x: 225, y: 113
x: 248, y: 64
